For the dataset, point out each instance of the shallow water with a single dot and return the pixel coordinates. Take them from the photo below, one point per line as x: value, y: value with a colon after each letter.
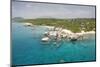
x: 27, y: 47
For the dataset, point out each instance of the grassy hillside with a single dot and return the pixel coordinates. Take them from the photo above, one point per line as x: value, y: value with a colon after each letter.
x: 75, y: 25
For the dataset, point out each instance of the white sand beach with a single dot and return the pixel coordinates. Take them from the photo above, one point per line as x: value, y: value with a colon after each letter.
x: 67, y: 33
x: 28, y: 24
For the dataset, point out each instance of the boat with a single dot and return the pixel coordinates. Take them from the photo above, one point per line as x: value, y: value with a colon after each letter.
x: 45, y: 39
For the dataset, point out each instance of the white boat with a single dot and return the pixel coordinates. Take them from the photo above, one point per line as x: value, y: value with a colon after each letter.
x: 45, y: 39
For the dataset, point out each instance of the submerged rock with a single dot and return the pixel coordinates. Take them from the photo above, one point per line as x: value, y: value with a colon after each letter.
x: 73, y: 39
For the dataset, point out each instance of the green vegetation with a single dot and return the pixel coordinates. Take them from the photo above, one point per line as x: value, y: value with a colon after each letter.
x: 75, y: 25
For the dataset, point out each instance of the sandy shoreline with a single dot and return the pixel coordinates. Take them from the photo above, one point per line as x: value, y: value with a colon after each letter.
x: 64, y: 30
x: 70, y: 32
x: 59, y: 33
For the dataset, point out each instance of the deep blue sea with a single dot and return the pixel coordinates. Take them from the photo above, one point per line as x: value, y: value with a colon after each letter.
x: 27, y: 47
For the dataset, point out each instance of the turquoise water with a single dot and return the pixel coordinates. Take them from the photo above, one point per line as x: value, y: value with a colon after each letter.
x: 27, y: 47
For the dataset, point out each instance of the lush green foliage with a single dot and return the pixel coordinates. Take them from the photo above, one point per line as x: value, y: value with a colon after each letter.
x: 75, y: 25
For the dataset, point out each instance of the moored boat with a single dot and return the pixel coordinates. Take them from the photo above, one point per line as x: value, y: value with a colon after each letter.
x: 45, y: 39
